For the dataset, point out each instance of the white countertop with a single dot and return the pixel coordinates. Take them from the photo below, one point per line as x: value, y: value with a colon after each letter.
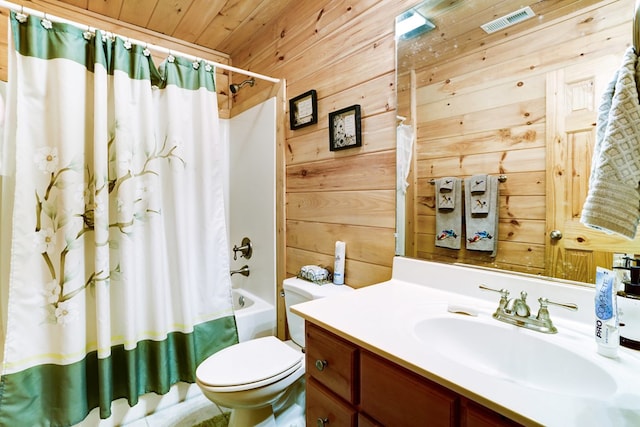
x: 381, y: 319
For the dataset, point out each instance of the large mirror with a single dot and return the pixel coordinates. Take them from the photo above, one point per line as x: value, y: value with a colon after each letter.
x: 516, y: 101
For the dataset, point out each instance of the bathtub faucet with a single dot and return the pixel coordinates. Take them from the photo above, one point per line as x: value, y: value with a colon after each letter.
x: 244, y: 271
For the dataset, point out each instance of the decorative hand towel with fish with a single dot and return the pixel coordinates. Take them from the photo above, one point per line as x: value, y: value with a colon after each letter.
x: 448, y: 212
x: 481, y: 213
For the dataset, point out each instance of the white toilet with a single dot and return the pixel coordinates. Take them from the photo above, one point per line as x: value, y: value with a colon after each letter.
x: 249, y: 377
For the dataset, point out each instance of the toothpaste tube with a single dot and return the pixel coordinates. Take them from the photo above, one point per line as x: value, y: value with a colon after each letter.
x: 607, y: 332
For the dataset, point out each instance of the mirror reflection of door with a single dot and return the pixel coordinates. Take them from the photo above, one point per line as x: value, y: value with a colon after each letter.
x: 573, y: 95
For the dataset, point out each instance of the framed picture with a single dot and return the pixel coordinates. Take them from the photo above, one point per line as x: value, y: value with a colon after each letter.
x: 303, y: 110
x: 344, y: 128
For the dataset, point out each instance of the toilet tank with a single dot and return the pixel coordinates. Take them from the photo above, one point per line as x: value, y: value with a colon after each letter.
x: 297, y: 291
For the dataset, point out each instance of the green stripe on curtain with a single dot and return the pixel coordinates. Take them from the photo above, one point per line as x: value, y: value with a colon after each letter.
x: 68, y: 41
x: 68, y: 384
x: 181, y: 71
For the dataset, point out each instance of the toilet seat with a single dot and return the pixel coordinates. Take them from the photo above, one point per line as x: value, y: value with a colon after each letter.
x: 250, y: 364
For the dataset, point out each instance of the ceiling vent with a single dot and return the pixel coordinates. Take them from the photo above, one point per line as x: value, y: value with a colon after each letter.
x: 508, y: 20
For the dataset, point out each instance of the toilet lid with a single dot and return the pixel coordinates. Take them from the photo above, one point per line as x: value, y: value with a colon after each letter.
x: 253, y: 361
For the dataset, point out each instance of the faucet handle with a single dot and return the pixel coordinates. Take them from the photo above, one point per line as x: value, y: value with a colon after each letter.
x: 568, y: 305
x: 543, y: 312
x: 504, y: 293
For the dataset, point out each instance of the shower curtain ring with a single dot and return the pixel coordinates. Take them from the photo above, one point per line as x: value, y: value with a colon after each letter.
x: 21, y: 17
x: 45, y: 22
x: 87, y: 34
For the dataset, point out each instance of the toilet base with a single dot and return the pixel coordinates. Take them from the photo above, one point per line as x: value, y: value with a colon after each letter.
x: 259, y: 417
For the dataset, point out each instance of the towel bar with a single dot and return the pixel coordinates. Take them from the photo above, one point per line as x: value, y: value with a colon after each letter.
x: 501, y: 178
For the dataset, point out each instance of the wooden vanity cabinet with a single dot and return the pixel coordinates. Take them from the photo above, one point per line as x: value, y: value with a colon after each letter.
x: 350, y: 386
x: 332, y: 378
x: 475, y: 415
x: 395, y: 396
x: 325, y: 408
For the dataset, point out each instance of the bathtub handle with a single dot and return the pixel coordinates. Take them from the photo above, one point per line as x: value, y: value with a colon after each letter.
x: 245, y: 249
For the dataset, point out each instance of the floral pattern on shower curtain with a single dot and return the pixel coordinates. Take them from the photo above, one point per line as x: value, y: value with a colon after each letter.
x: 119, y: 269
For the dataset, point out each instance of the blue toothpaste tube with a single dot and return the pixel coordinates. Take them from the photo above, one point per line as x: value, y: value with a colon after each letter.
x: 607, y: 332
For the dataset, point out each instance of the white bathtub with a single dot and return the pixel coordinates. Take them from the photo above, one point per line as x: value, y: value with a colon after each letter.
x: 254, y: 316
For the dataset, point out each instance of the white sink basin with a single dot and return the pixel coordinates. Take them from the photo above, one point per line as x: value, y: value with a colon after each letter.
x: 514, y: 354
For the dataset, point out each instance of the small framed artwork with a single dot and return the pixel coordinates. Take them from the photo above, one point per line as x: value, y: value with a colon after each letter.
x: 344, y: 128
x: 303, y: 110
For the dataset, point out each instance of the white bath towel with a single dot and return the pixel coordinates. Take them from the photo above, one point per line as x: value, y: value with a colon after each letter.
x: 613, y: 200
x: 448, y: 212
x: 481, y: 213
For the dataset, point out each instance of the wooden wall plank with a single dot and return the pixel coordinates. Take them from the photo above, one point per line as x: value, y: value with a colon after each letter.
x: 372, y: 171
x: 378, y: 134
x: 523, y: 114
x: 493, y: 140
x: 364, y: 243
x: 374, y: 208
x: 373, y: 60
x: 357, y: 274
x: 530, y: 159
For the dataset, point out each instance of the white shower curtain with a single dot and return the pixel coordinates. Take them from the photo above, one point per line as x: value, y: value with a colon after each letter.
x: 115, y: 267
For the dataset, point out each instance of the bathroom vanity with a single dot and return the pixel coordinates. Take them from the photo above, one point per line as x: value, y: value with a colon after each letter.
x: 350, y: 386
x: 403, y: 353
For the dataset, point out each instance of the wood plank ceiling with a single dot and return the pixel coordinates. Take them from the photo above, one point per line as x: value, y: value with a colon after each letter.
x: 229, y: 26
x: 222, y: 25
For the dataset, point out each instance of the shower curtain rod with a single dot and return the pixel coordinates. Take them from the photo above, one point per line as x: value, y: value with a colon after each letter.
x: 19, y: 8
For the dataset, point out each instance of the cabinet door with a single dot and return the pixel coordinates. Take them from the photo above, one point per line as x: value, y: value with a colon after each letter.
x: 364, y: 421
x: 394, y: 396
x: 332, y: 361
x: 475, y: 415
x: 325, y: 409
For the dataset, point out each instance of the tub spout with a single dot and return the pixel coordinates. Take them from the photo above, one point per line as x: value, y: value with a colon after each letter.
x: 244, y: 271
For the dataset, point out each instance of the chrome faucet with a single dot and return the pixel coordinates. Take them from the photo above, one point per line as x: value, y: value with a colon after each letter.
x: 244, y: 270
x: 517, y: 312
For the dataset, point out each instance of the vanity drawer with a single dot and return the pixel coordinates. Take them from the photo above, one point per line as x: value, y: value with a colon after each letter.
x: 394, y: 396
x: 332, y: 361
x: 323, y: 408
